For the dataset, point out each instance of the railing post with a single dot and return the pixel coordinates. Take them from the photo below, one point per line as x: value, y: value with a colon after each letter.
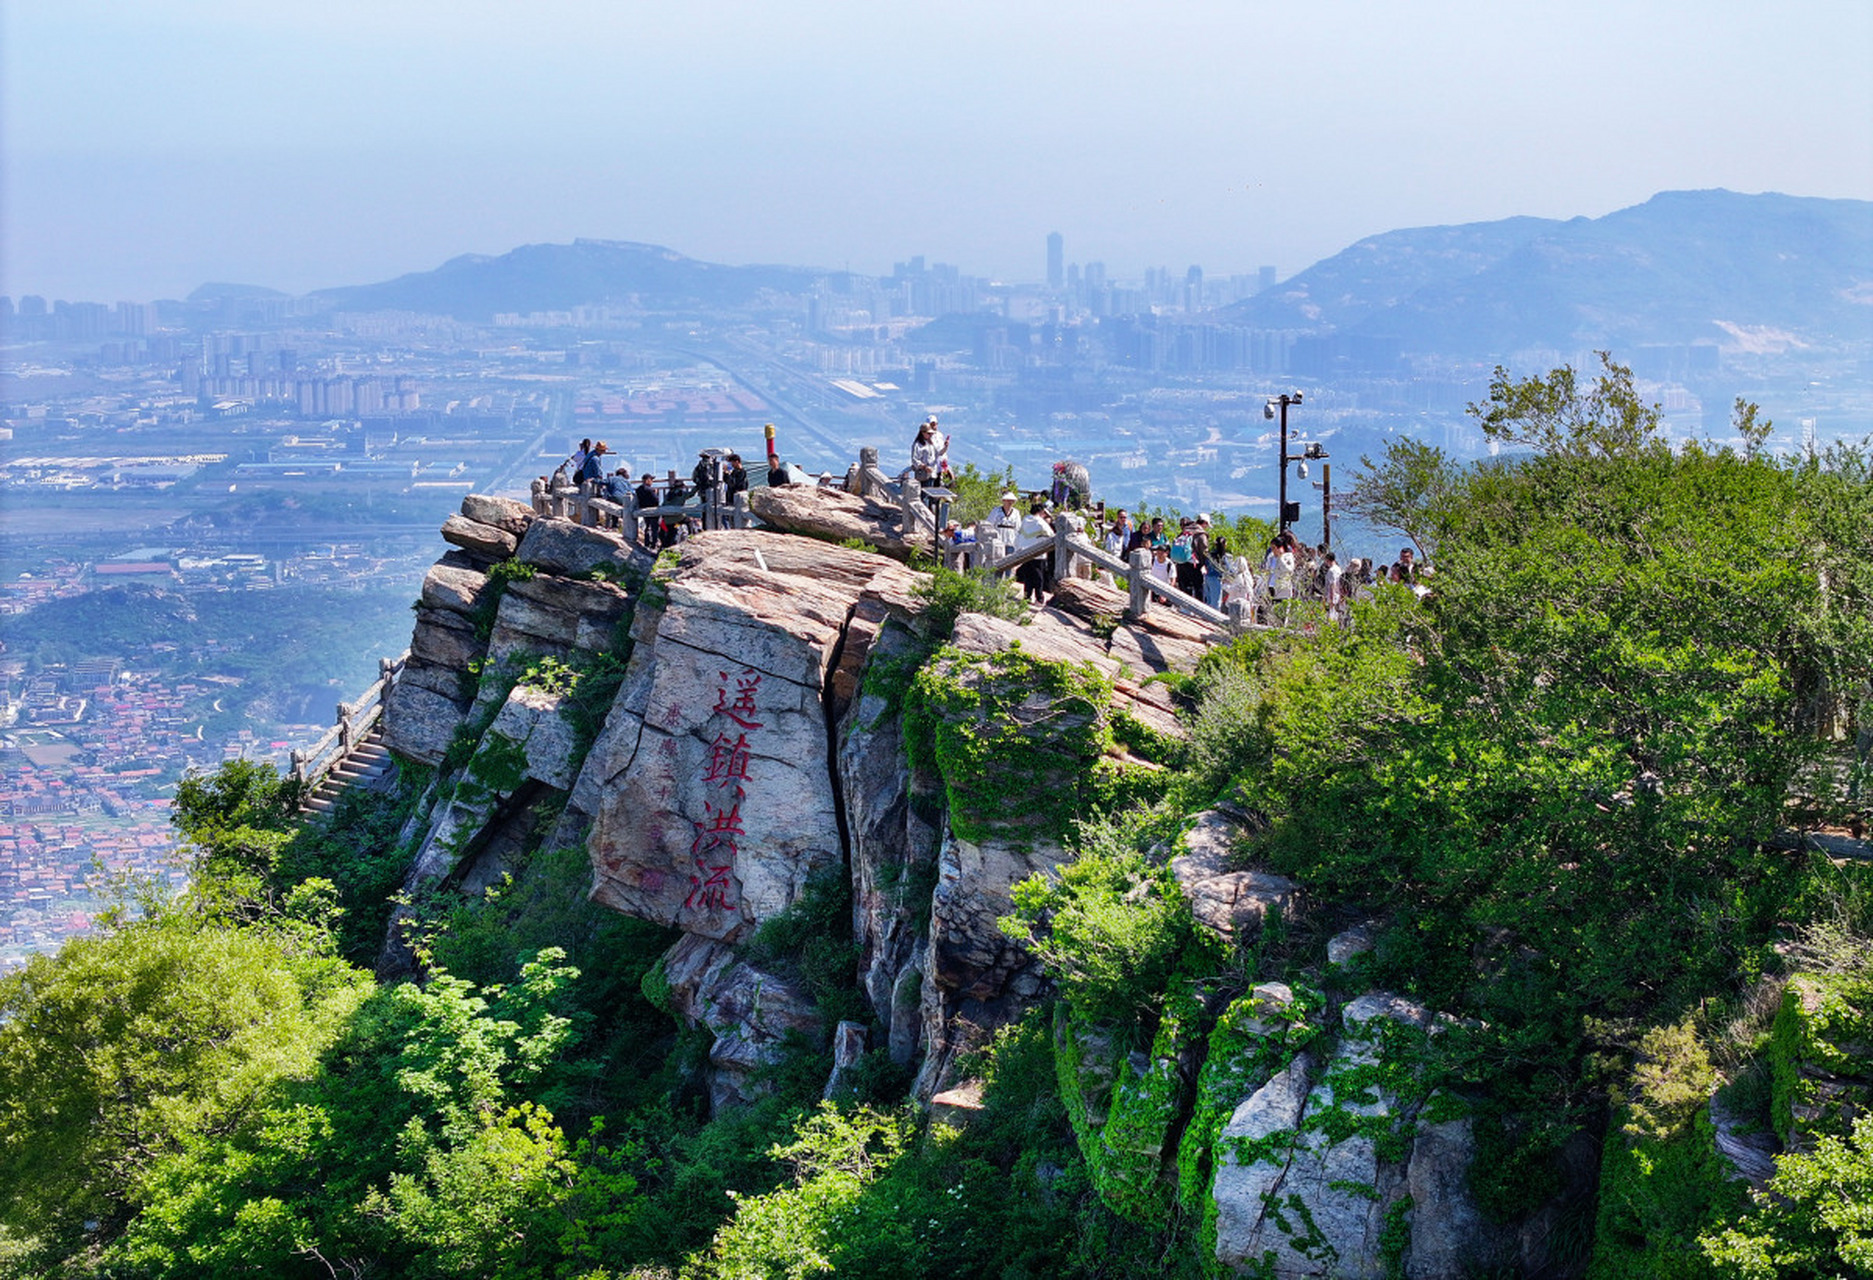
x: 867, y: 463
x: 386, y: 669
x: 909, y: 498
x: 298, y: 772
x: 344, y: 728
x: 1140, y: 589
x: 740, y: 516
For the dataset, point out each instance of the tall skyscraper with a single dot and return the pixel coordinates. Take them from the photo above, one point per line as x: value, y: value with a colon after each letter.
x: 1265, y: 279
x: 1056, y: 260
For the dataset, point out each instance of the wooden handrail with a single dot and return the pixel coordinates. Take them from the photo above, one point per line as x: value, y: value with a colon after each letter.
x: 352, y: 724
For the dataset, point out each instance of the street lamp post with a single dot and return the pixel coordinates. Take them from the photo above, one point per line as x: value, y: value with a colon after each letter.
x: 1282, y: 517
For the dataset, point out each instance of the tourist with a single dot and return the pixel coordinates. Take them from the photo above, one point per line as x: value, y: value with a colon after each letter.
x: 736, y: 479
x: 1278, y: 568
x: 1238, y: 574
x: 579, y: 455
x: 1183, y: 558
x: 1006, y: 522
x: 1216, y: 547
x: 647, y: 499
x: 593, y: 467
x: 1161, y: 566
x: 1118, y: 537
x: 929, y: 453
x: 1036, y: 575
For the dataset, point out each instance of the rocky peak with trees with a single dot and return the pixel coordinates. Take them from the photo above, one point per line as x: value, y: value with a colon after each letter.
x: 777, y: 907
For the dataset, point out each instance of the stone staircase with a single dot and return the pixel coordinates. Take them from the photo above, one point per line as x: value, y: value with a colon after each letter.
x: 368, y: 762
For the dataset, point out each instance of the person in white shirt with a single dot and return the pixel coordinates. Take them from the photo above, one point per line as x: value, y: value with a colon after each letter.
x: 1162, y: 570
x: 1238, y: 577
x: 1006, y: 522
x: 1332, y: 584
x: 1036, y: 575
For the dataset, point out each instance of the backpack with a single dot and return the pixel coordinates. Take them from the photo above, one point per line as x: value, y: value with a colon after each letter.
x: 1180, y: 551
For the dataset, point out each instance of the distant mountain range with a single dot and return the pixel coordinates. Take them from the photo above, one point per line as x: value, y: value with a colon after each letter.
x: 1684, y: 267
x: 558, y: 277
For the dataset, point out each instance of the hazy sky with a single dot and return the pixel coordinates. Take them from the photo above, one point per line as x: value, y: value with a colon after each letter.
x: 147, y: 146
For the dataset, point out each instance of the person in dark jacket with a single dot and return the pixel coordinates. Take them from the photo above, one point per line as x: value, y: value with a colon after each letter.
x: 647, y: 498
x: 736, y: 479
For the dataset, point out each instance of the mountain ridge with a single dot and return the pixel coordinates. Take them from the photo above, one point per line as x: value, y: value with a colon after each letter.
x: 1676, y: 268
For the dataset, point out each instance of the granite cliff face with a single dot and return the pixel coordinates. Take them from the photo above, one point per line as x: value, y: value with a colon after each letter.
x: 760, y: 747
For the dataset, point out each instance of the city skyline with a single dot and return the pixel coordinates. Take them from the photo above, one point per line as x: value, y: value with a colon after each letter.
x: 303, y: 147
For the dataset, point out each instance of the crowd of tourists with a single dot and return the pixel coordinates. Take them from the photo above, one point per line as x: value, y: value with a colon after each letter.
x: 1192, y: 558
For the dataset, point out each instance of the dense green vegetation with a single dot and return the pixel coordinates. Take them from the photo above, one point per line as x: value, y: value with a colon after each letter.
x: 1556, y: 788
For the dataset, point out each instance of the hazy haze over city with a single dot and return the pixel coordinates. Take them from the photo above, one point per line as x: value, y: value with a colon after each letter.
x: 150, y: 148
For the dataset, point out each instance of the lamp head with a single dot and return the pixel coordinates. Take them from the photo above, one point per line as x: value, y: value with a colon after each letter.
x: 1268, y: 410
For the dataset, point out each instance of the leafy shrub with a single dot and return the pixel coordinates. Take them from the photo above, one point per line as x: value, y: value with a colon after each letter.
x: 947, y: 595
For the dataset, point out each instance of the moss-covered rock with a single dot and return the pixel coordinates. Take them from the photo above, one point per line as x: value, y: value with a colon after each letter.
x: 1662, y: 1180
x: 1821, y: 1056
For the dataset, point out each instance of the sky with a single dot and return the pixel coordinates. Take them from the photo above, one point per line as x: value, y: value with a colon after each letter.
x: 147, y: 147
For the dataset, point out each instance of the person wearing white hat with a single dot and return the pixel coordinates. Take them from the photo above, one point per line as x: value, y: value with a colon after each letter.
x: 1006, y: 522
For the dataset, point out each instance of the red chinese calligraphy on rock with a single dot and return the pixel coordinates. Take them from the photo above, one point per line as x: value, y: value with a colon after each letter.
x: 742, y: 709
x: 713, y: 851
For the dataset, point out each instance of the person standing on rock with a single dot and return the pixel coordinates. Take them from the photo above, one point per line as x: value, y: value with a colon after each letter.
x: 735, y: 480
x: 1118, y: 538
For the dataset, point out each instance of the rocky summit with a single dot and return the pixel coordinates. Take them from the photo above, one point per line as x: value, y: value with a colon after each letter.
x: 763, y: 741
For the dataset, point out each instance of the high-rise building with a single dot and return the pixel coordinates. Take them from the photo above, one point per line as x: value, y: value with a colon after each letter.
x: 1265, y: 279
x: 1056, y: 260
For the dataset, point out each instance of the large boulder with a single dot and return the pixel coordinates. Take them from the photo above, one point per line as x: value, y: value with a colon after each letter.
x: 748, y: 1012
x: 444, y: 639
x: 1323, y: 1192
x: 711, y: 787
x: 504, y: 514
x: 546, y: 616
x: 529, y: 740
x: 455, y: 588
x: 1230, y: 903
x: 893, y: 846
x: 567, y: 549
x: 834, y: 515
x: 483, y: 540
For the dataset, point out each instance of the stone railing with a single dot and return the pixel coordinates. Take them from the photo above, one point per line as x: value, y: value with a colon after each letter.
x: 1065, y: 545
x: 921, y: 517
x: 352, y: 724
x: 582, y: 504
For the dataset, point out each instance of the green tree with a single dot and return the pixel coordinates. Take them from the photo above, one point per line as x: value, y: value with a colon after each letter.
x: 1814, y: 1220
x: 122, y: 1049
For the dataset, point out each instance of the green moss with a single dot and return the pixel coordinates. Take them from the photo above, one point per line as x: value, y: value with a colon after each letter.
x: 1662, y: 1180
x: 1127, y: 1162
x: 1824, y: 1024
x: 1395, y: 1239
x: 1253, y: 1041
x: 1015, y: 740
x: 499, y: 764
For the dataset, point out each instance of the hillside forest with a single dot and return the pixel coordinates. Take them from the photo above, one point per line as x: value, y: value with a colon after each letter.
x: 1568, y: 795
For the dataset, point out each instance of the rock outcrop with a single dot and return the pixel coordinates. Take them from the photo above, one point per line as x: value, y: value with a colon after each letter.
x: 785, y: 721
